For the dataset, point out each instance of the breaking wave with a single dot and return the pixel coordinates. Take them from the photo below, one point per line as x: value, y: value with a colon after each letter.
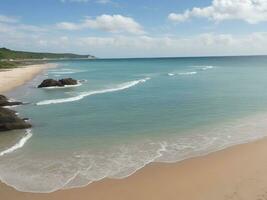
x: 19, y: 144
x: 82, y: 95
x: 207, y: 67
x: 187, y: 73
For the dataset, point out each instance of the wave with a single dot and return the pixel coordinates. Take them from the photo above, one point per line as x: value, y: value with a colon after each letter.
x: 66, y: 71
x: 14, y: 106
x: 207, y: 67
x: 182, y: 73
x: 187, y: 73
x: 86, y: 166
x: 19, y: 144
x: 85, y: 94
x: 203, y: 68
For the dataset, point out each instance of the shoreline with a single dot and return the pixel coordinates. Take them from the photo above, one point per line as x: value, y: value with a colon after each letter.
x: 237, y: 172
x: 12, y: 78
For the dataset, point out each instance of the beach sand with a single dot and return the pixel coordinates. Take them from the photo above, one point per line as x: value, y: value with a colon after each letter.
x: 236, y: 173
x: 12, y: 78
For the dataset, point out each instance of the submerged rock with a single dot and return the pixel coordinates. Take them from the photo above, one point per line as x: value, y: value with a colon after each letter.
x: 58, y: 83
x: 5, y: 102
x: 10, y: 121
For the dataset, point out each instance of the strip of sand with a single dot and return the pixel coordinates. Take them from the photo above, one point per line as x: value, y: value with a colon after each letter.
x: 12, y: 78
x: 236, y: 173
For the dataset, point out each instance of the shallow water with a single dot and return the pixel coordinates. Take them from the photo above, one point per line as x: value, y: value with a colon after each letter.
x: 129, y: 112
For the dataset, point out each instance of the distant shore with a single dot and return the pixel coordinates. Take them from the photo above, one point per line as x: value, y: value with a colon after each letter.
x: 238, y: 172
x: 14, y: 77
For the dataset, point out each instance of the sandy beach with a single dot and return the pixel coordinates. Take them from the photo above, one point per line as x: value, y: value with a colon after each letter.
x: 133, y: 100
x: 235, y: 173
x: 12, y: 78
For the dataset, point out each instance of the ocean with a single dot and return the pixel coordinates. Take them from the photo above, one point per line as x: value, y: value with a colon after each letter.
x: 126, y: 113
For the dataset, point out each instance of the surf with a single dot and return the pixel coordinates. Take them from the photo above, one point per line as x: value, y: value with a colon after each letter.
x: 19, y: 144
x: 207, y: 67
x: 187, y: 73
x: 82, y: 95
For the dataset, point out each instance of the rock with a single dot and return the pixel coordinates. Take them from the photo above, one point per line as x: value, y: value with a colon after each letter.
x: 50, y: 83
x: 3, y: 98
x: 59, y: 83
x: 10, y: 121
x: 5, y: 102
x: 8, y: 118
x: 68, y: 81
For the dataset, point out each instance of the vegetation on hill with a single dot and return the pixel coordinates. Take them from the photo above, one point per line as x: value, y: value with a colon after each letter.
x: 8, y: 64
x: 22, y: 55
x: 11, y: 59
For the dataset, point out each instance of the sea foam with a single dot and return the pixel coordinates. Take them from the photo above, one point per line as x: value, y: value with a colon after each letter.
x: 65, y: 71
x: 207, y: 67
x: 182, y: 73
x: 19, y: 144
x: 187, y: 73
x: 82, y: 95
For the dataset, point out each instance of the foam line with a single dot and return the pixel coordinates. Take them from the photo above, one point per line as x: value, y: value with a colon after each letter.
x: 19, y: 144
x: 85, y: 94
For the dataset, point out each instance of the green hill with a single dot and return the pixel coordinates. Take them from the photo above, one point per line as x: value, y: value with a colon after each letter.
x: 7, y: 54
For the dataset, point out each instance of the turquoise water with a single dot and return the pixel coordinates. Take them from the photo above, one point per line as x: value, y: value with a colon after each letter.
x: 129, y: 112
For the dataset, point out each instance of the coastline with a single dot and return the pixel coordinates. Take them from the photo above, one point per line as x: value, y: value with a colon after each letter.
x: 238, y: 172
x: 12, y: 78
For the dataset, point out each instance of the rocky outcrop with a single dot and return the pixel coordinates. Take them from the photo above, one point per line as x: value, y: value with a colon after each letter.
x: 50, y: 83
x: 5, y: 102
x: 10, y: 121
x: 8, y: 118
x: 68, y: 81
x: 58, y: 83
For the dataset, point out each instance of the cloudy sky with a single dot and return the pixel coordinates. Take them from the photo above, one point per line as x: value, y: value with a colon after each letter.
x: 136, y: 28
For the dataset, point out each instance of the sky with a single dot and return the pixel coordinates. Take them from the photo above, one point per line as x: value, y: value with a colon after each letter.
x: 136, y: 28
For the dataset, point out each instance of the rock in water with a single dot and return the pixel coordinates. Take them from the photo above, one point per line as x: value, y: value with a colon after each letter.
x: 8, y: 118
x: 68, y: 81
x: 10, y: 121
x: 5, y: 102
x: 59, y: 83
x: 50, y: 83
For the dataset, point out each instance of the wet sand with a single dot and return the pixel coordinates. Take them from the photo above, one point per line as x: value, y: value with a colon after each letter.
x: 236, y: 173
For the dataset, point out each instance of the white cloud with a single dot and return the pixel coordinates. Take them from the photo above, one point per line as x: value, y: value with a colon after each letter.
x: 251, y: 11
x: 69, y: 26
x: 199, y: 45
x: 8, y: 19
x: 109, y: 23
x: 137, y: 46
x: 18, y: 35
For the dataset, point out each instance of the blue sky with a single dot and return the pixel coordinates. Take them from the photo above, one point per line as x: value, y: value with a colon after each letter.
x: 136, y: 28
